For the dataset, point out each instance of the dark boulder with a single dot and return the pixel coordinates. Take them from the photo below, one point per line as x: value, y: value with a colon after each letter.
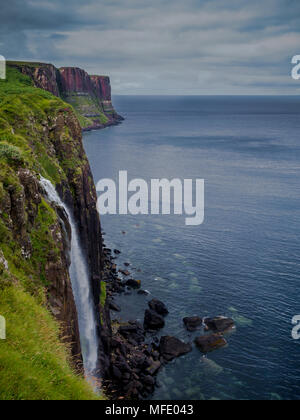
x: 172, y: 347
x: 219, y: 324
x: 208, y: 343
x: 117, y: 252
x: 135, y: 284
x: 153, y: 321
x: 192, y: 323
x: 159, y: 307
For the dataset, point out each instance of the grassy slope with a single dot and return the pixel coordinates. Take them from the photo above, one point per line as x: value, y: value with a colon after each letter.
x: 33, y: 362
x: 84, y: 105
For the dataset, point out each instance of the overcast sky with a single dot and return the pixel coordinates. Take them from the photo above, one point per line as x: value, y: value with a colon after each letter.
x: 162, y: 46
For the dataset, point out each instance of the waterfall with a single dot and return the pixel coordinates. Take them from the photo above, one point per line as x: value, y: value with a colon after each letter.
x: 81, y: 286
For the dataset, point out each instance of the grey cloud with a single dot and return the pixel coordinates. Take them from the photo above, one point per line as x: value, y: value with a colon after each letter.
x: 162, y: 46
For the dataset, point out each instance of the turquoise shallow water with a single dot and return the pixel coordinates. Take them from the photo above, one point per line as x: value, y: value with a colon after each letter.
x: 244, y: 261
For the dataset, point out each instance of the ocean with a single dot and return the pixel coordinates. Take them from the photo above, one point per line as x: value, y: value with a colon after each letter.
x: 242, y: 262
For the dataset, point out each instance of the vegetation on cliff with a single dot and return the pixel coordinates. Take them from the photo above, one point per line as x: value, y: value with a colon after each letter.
x: 90, y: 96
x: 36, y: 357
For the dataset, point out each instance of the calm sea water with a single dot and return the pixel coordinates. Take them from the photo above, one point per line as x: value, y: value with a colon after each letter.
x: 243, y: 262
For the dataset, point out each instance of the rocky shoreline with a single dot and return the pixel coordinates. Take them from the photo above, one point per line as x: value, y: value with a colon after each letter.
x: 137, y: 354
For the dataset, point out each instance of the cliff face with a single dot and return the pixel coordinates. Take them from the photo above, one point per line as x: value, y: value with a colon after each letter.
x: 44, y: 76
x: 102, y: 87
x: 90, y: 96
x: 75, y: 80
x: 41, y: 135
x: 79, y: 193
x: 23, y: 202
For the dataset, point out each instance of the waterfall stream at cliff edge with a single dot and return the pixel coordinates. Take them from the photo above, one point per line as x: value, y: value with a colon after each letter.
x: 79, y: 275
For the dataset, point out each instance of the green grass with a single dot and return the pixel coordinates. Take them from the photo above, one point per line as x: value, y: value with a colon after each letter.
x: 86, y: 105
x: 33, y: 363
x: 103, y: 294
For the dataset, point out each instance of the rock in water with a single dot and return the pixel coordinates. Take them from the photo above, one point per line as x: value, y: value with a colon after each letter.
x: 208, y: 343
x: 143, y: 292
x: 219, y: 324
x: 135, y: 284
x: 172, y: 347
x: 159, y: 307
x: 153, y: 321
x: 192, y: 323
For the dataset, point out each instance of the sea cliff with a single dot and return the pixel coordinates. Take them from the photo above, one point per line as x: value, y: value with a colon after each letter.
x: 40, y: 135
x: 90, y: 96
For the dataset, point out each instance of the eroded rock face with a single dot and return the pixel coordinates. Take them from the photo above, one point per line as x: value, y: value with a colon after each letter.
x: 102, y: 87
x: 94, y: 94
x: 44, y: 76
x: 73, y: 79
x: 22, y: 206
x: 60, y: 294
x: 79, y: 193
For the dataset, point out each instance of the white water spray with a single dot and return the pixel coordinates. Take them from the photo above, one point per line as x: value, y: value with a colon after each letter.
x: 81, y: 286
